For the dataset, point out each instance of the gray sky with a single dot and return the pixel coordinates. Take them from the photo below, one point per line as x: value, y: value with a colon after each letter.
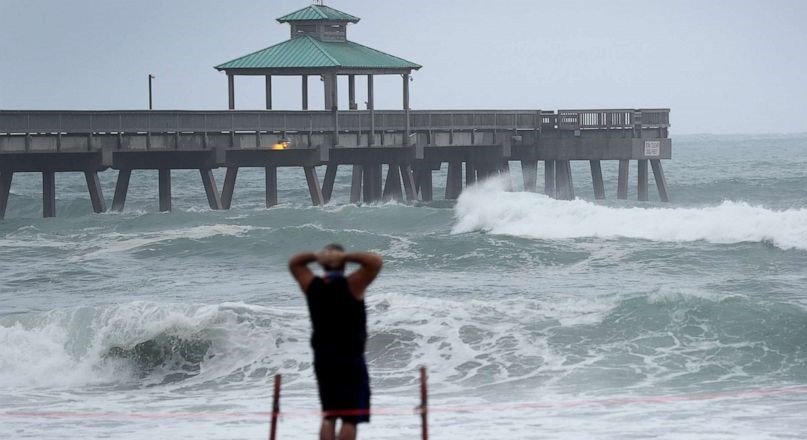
x: 722, y: 66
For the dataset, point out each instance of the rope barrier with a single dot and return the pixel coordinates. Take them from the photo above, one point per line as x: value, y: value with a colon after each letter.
x: 422, y: 410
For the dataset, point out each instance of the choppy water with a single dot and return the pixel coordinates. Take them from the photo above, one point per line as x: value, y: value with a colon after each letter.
x: 555, y: 319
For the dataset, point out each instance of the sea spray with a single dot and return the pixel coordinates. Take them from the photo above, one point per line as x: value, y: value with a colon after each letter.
x: 489, y: 207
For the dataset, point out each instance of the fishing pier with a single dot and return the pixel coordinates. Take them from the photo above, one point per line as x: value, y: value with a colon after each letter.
x: 392, y: 154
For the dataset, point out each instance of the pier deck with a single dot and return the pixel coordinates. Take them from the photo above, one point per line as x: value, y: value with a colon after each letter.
x: 410, y: 143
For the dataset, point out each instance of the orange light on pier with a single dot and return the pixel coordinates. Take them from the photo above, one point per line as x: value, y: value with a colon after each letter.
x: 281, y: 145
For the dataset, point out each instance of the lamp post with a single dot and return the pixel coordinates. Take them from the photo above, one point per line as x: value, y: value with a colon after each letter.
x: 151, y: 77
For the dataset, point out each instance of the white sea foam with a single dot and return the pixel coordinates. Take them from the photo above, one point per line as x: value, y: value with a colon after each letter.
x: 489, y: 207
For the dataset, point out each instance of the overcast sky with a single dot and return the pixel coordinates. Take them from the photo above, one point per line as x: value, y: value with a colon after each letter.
x: 722, y: 66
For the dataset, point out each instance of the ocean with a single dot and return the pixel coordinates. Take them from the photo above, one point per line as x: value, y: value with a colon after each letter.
x: 536, y: 318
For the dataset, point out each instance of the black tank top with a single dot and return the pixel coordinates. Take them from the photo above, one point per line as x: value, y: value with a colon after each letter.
x: 338, y: 319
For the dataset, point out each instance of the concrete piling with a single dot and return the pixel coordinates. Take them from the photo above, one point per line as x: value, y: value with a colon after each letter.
x: 270, y: 178
x: 328, y: 181
x: 165, y: 189
x: 48, y: 194
x: 425, y: 185
x: 5, y: 190
x: 454, y: 180
x: 392, y: 186
x: 549, y: 178
x: 355, y: 184
x: 529, y: 170
x: 121, y: 189
x: 96, y: 194
x: 313, y: 186
x: 661, y: 181
x: 408, y: 182
x: 622, y: 180
x: 642, y: 180
x: 211, y: 190
x: 229, y: 187
x: 596, y: 179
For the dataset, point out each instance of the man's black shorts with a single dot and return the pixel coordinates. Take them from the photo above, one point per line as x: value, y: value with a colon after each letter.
x: 344, y: 385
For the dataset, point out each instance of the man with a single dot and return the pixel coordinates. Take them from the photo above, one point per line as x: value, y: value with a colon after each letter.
x: 339, y: 321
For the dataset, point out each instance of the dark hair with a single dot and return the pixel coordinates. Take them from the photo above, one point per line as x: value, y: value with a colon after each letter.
x: 335, y: 247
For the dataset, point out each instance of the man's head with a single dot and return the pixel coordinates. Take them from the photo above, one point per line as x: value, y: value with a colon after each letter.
x: 330, y: 261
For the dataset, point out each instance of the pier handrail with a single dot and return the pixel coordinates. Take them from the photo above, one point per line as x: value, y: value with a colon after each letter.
x: 199, y: 121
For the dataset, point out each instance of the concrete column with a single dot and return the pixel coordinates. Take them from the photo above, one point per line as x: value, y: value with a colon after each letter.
x: 371, y: 107
x: 268, y: 92
x: 211, y: 190
x: 661, y: 181
x: 564, y: 185
x: 351, y: 92
x: 529, y: 169
x: 549, y: 178
x: 5, y: 190
x: 96, y: 194
x: 425, y: 184
x: 454, y: 180
x: 231, y: 90
x: 642, y: 180
x: 392, y: 187
x: 165, y: 189
x: 305, y: 92
x: 328, y: 182
x: 229, y: 187
x: 48, y: 194
x: 271, y: 186
x: 313, y: 186
x: 408, y: 183
x: 121, y: 189
x: 355, y: 184
x: 331, y: 92
x: 407, y: 140
x: 596, y: 179
x: 470, y: 173
x: 372, y: 183
x: 622, y: 180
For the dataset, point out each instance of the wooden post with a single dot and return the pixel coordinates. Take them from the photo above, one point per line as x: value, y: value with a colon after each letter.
x: 211, y: 190
x: 424, y: 404
x: 529, y: 169
x: 48, y: 194
x: 661, y: 181
x: 622, y: 180
x: 642, y: 181
x: 596, y: 179
x: 268, y: 92
x: 328, y: 182
x: 408, y: 183
x: 425, y: 183
x: 355, y: 184
x: 121, y: 189
x: 231, y: 90
x: 165, y: 189
x: 392, y: 187
x: 229, y: 187
x: 271, y: 186
x: 5, y: 190
x: 371, y: 107
x: 454, y: 180
x: 549, y: 178
x: 313, y: 186
x: 275, y: 408
x: 305, y: 92
x: 96, y: 194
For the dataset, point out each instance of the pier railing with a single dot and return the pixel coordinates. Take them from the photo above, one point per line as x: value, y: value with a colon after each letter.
x: 167, y: 121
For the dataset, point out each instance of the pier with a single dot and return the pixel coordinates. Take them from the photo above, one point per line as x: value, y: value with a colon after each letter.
x: 392, y: 154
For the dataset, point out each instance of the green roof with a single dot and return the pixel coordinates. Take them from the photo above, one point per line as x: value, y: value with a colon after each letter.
x: 318, y: 12
x: 308, y: 52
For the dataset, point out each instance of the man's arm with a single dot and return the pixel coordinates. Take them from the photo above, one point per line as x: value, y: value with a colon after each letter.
x: 298, y: 266
x: 370, y: 267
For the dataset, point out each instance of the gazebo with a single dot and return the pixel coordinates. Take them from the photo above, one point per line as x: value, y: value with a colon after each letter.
x: 319, y: 46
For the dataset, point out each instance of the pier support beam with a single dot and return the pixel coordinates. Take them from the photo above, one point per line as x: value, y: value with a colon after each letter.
x: 48, y: 194
x: 642, y: 181
x: 229, y: 187
x: 211, y: 190
x: 271, y: 186
x: 5, y: 190
x: 470, y: 173
x: 454, y: 180
x: 96, y: 194
x: 661, y: 181
x: 121, y: 189
x: 313, y: 186
x: 549, y: 178
x: 425, y: 185
x: 392, y: 187
x: 529, y: 170
x: 355, y: 184
x: 563, y: 180
x: 622, y: 180
x: 165, y: 189
x: 596, y: 179
x: 408, y: 183
x: 328, y: 182
x: 372, y: 183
